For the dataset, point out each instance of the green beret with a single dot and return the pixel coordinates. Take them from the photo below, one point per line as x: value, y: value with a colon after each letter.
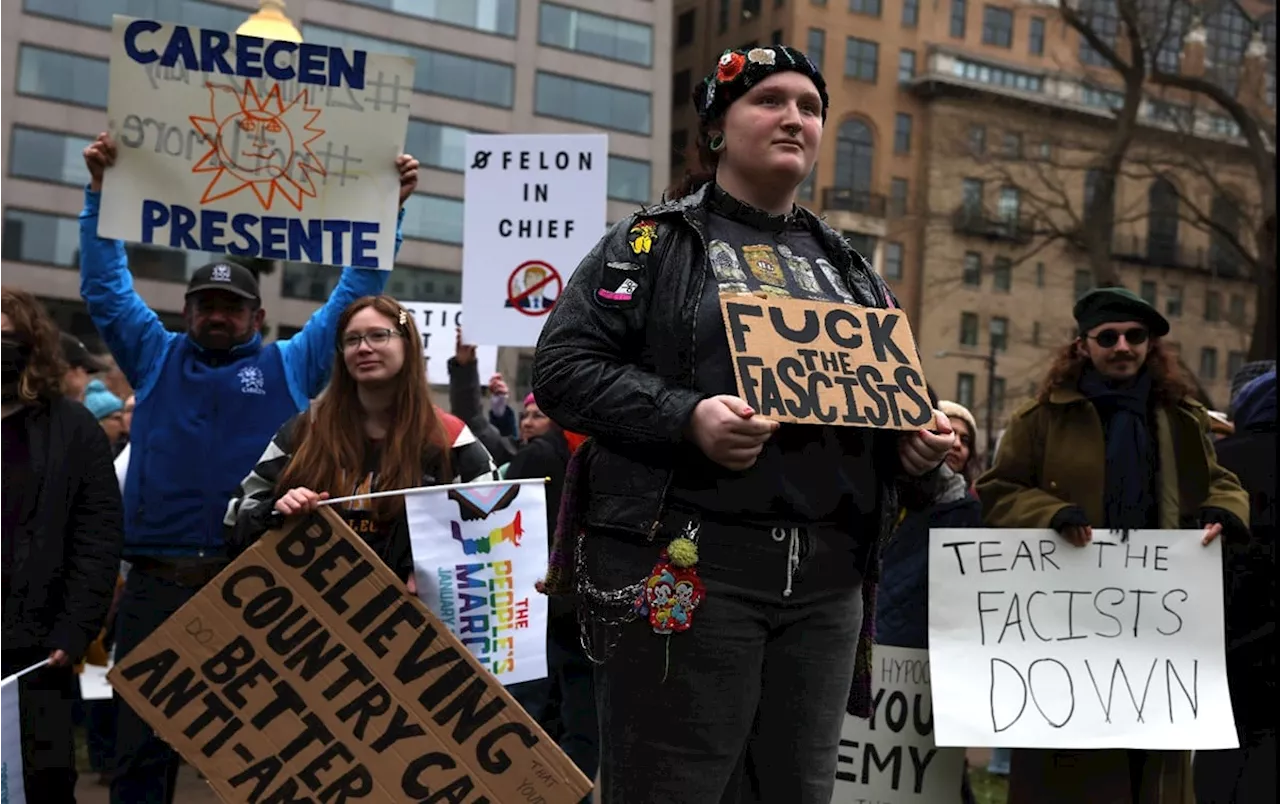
x: 1110, y: 305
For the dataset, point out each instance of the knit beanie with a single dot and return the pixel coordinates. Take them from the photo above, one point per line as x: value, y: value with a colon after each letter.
x: 957, y: 411
x: 101, y: 402
x: 739, y: 70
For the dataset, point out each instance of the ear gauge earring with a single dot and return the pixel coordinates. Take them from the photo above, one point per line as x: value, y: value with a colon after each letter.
x: 716, y: 144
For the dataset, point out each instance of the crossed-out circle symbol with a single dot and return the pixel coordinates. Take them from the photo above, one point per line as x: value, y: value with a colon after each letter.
x: 517, y: 299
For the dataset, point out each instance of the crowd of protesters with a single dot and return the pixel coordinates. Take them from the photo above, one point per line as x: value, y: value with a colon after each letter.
x: 793, y: 549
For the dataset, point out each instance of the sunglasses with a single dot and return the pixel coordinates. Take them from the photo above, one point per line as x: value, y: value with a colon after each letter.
x: 1108, y: 338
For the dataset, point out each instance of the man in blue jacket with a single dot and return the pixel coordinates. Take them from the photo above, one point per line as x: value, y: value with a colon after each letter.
x: 208, y: 401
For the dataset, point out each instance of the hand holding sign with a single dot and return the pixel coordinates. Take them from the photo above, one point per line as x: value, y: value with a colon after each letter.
x: 100, y: 155
x: 729, y: 432
x: 300, y: 500
x: 408, y: 167
x: 921, y: 451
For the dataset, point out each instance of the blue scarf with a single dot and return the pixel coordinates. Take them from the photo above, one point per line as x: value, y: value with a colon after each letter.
x: 1130, y: 469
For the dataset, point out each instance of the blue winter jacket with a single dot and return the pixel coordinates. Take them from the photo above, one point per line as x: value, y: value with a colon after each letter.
x: 201, y: 420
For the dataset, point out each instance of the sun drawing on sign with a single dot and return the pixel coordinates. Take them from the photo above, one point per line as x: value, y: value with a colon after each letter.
x: 260, y: 143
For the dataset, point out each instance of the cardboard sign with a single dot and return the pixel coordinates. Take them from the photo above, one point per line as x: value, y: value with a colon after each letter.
x: 252, y: 147
x: 438, y: 322
x: 1039, y: 644
x: 890, y: 758
x: 307, y: 672
x: 811, y: 362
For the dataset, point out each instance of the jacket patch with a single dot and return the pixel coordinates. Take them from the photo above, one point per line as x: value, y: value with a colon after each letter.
x: 619, y: 283
x: 642, y: 236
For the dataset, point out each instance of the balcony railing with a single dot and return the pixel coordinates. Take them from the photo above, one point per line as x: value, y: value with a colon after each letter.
x: 844, y: 199
x: 978, y: 223
x: 1167, y: 253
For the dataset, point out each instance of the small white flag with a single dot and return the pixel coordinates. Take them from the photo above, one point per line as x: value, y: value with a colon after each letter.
x: 12, y: 790
x: 477, y: 552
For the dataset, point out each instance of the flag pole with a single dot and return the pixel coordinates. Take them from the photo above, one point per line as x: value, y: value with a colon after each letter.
x: 423, y: 489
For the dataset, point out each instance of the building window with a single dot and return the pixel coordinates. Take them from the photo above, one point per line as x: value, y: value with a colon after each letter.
x: 1213, y: 306
x: 959, y: 9
x: 1147, y: 290
x: 997, y: 76
x: 424, y: 284
x: 965, y: 383
x: 48, y: 156
x: 595, y: 104
x: 1173, y: 305
x: 1104, y: 18
x: 971, y: 195
x: 972, y: 269
x: 685, y: 28
x: 61, y: 76
x: 1208, y: 364
x: 435, y: 72
x: 817, y: 46
x: 1224, y: 212
x: 855, y: 153
x: 861, y: 59
x: 750, y: 9
x: 1012, y: 145
x: 493, y: 16
x: 679, y: 144
x: 906, y: 66
x: 910, y: 13
x: 805, y: 191
x: 1001, y: 275
x: 433, y: 217
x: 1009, y: 204
x: 41, y: 238
x: 1000, y: 334
x: 628, y: 179
x: 997, y: 26
x: 1235, y: 362
x: 892, y: 260
x: 902, y: 133
x: 977, y: 139
x: 776, y: 37
x: 1235, y: 311
x: 968, y: 329
x: 608, y: 37
x: 437, y: 144
x: 681, y: 88
x: 1162, y: 222
x: 1039, y: 274
x: 871, y: 8
x: 723, y: 20
x: 1083, y: 282
x: 1035, y: 37
x: 184, y: 12
x: 997, y: 393
x: 898, y: 190
x: 1044, y: 151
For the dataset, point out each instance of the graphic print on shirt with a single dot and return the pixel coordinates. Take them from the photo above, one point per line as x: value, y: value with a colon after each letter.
x: 802, y: 271
x: 833, y: 276
x: 764, y: 265
x: 359, y: 513
x: 724, y: 262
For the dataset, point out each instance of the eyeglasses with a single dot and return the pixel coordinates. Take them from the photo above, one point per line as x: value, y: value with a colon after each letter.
x: 376, y: 338
x: 1108, y: 338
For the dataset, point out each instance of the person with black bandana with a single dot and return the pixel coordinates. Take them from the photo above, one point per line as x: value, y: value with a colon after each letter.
x: 723, y: 565
x: 62, y: 533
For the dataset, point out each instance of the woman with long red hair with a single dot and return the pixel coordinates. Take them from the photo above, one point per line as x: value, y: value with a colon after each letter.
x: 374, y: 428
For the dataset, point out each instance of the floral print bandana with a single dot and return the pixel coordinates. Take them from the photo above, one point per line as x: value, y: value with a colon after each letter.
x: 740, y: 70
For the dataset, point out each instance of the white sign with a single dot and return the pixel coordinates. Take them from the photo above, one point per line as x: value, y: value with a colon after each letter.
x: 891, y: 758
x: 12, y: 787
x: 1038, y: 644
x: 93, y: 683
x: 535, y: 206
x: 438, y: 322
x: 252, y: 147
x: 477, y: 553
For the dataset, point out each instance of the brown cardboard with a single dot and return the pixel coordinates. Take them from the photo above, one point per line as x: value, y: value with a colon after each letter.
x: 811, y: 362
x: 306, y: 669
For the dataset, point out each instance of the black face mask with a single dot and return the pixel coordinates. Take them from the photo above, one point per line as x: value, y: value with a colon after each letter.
x: 14, y: 350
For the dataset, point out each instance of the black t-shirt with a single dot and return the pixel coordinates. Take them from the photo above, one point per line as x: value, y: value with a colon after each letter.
x: 805, y: 473
x: 16, y: 469
x: 359, y: 514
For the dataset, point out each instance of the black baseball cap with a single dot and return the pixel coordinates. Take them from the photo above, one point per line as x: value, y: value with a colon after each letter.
x: 229, y: 277
x: 78, y: 355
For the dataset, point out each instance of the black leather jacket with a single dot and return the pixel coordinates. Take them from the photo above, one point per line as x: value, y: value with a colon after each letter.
x: 622, y: 370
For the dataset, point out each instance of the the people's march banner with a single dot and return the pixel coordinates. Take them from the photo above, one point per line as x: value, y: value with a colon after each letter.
x: 477, y: 552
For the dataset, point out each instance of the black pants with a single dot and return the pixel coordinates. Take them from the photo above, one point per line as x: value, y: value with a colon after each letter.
x: 747, y: 705
x: 146, y: 768
x: 1244, y: 775
x: 46, y: 698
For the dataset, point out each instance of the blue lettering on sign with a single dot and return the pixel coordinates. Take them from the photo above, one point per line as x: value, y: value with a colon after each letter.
x: 200, y: 50
x: 270, y: 237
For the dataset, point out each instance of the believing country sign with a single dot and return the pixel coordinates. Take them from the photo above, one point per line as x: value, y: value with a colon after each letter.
x: 307, y: 672
x: 252, y: 147
x: 535, y: 206
x: 1035, y: 643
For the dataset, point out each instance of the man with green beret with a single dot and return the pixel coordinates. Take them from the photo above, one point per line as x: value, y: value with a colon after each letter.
x: 1115, y: 441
